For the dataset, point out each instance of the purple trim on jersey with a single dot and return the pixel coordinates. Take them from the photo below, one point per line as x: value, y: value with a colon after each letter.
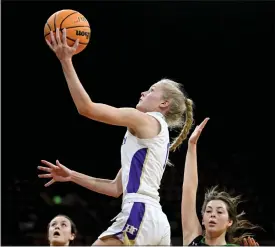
x: 133, y: 223
x: 136, y: 170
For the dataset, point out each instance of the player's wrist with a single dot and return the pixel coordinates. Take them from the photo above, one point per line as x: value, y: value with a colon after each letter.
x: 71, y: 176
x: 192, y: 146
x: 66, y: 61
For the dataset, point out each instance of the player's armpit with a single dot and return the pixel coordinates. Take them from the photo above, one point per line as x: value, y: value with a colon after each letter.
x: 127, y: 117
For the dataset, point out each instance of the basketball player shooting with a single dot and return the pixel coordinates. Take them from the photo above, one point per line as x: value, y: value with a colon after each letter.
x: 144, y: 152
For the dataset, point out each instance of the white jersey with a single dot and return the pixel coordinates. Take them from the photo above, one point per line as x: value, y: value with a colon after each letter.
x: 141, y: 220
x: 144, y: 161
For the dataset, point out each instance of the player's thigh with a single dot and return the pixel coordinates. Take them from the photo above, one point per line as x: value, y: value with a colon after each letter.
x: 166, y: 237
x: 126, y: 225
x: 155, y: 228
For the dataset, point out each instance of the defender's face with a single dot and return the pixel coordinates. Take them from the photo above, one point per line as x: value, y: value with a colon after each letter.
x: 215, y: 218
x: 60, y: 231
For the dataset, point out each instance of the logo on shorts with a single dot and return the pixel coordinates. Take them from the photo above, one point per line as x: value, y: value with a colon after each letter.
x: 130, y: 229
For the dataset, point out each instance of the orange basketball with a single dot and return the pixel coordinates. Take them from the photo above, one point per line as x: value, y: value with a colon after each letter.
x: 76, y: 25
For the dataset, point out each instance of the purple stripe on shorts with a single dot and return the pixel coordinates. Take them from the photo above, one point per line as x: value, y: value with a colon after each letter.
x: 133, y: 223
x: 136, y: 170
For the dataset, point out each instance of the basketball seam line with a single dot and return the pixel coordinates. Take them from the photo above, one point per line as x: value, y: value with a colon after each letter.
x: 54, y: 22
x: 66, y: 18
x: 82, y: 43
x: 49, y: 26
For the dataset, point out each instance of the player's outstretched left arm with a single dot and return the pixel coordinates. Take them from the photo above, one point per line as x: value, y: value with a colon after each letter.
x: 128, y: 117
x: 61, y: 173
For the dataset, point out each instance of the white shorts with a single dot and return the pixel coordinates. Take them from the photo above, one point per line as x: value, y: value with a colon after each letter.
x: 140, y: 223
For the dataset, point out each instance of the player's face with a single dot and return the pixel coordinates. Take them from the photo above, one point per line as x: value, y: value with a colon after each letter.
x: 60, y: 231
x: 152, y: 99
x: 215, y: 218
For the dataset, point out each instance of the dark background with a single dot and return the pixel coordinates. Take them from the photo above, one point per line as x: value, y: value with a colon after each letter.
x: 221, y: 52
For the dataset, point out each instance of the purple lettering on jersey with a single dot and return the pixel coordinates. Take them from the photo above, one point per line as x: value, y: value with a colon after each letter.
x: 135, y: 173
x: 133, y: 223
x: 124, y: 140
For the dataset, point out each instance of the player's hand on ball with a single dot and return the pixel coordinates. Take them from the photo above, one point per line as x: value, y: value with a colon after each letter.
x: 197, y: 132
x: 58, y: 172
x: 60, y: 47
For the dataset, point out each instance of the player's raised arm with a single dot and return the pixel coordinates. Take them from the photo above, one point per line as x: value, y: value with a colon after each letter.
x: 191, y: 226
x: 128, y: 117
x: 60, y: 173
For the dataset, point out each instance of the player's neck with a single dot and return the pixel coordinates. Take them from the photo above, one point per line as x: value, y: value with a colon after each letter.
x: 51, y: 244
x: 159, y: 113
x: 220, y: 240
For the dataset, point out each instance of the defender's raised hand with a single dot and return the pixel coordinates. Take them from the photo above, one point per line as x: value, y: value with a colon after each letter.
x: 249, y: 242
x: 58, y: 172
x: 197, y: 132
x: 59, y: 45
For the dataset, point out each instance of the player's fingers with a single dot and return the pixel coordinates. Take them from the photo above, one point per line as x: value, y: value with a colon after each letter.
x: 196, y: 129
x: 62, y: 167
x: 49, y: 183
x: 76, y: 44
x: 45, y: 169
x: 250, y: 241
x: 245, y: 243
x: 57, y: 34
x: 49, y: 44
x: 53, y: 39
x: 64, y: 36
x: 45, y: 175
x: 59, y: 165
x: 202, y: 125
x: 45, y: 162
x: 253, y: 241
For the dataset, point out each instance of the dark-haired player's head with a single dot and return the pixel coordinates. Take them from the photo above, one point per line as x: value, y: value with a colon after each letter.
x: 61, y: 231
x: 220, y: 216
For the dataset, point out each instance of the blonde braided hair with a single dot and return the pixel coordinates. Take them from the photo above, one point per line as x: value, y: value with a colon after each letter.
x: 186, y: 127
x: 180, y: 113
